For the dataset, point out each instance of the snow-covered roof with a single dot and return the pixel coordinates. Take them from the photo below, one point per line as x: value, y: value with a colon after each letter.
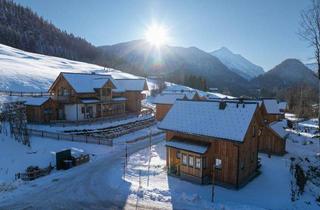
x: 206, y: 119
x: 272, y: 106
x: 283, y: 105
x: 259, y: 102
x: 35, y: 101
x: 130, y: 85
x: 119, y: 99
x: 89, y: 100
x: 278, y: 127
x: 87, y: 83
x: 170, y: 98
x: 188, y: 146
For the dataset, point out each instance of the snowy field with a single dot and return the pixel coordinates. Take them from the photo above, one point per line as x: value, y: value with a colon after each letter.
x: 144, y: 183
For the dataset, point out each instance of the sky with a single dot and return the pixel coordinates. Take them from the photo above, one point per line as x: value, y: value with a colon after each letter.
x: 265, y: 32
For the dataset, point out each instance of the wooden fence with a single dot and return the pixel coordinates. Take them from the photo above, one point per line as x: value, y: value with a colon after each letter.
x: 71, y: 137
x: 21, y: 93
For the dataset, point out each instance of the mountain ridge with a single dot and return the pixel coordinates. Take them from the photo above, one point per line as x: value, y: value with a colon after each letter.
x: 237, y: 63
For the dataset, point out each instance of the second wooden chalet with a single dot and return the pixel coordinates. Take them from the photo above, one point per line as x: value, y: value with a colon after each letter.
x: 165, y: 101
x: 271, y: 110
x: 211, y: 141
x: 80, y: 96
x: 274, y: 137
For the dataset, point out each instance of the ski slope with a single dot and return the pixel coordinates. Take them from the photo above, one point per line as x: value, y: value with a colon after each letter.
x: 25, y: 71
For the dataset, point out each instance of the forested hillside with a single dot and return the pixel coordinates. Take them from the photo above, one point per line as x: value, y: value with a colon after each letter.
x: 22, y: 28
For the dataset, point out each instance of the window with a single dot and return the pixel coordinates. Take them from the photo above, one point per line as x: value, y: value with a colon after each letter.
x: 204, y: 162
x: 254, y: 131
x: 198, y: 163
x: 184, y: 159
x: 82, y: 110
x: 104, y: 92
x: 178, y: 155
x: 218, y: 164
x: 191, y: 161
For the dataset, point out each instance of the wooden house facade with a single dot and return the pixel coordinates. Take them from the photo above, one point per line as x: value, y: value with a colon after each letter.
x: 81, y: 96
x: 209, y: 142
x: 273, y: 140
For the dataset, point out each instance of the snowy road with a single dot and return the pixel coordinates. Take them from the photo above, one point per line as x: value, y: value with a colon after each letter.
x: 84, y: 187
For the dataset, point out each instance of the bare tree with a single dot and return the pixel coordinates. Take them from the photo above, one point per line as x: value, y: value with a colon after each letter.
x: 310, y: 31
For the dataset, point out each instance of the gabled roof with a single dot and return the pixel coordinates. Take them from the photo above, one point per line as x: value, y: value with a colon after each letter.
x: 35, y: 101
x: 170, y: 98
x: 87, y: 83
x: 283, y: 105
x: 205, y: 118
x: 131, y: 85
x: 272, y: 106
x: 278, y: 128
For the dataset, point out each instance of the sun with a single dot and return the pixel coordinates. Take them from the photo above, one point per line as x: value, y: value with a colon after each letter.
x: 157, y: 35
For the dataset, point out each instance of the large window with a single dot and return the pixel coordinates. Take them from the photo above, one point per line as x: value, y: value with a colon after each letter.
x: 184, y: 159
x: 191, y: 161
x: 198, y: 163
x: 218, y: 164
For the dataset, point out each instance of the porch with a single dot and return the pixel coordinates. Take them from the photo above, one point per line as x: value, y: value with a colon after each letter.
x: 188, y: 160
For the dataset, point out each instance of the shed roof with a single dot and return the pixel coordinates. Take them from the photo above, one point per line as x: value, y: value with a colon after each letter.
x: 35, y: 101
x: 188, y: 146
x: 205, y: 118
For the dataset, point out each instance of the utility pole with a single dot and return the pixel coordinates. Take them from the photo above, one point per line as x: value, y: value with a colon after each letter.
x: 212, y: 190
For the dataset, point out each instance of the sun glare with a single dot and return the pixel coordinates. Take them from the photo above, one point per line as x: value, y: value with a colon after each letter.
x: 157, y: 35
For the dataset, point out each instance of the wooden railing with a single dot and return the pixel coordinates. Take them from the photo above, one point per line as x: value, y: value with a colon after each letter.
x: 24, y: 93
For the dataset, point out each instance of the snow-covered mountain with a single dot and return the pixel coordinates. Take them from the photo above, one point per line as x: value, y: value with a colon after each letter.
x: 238, y: 63
x: 24, y: 71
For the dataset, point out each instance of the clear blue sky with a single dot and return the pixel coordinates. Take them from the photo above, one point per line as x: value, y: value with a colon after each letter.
x: 265, y: 31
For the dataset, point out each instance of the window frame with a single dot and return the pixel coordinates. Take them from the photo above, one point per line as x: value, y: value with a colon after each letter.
x: 184, y: 159
x: 198, y: 163
x: 190, y: 158
x: 218, y: 165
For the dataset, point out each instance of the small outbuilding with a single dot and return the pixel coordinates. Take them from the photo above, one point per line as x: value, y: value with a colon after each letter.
x: 40, y: 109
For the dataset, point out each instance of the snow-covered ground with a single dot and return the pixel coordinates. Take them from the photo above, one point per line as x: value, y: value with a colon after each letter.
x: 144, y: 184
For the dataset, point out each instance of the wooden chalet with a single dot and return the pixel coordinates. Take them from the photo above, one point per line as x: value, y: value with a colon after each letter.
x: 273, y: 140
x: 210, y: 141
x: 81, y: 96
x: 165, y: 101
